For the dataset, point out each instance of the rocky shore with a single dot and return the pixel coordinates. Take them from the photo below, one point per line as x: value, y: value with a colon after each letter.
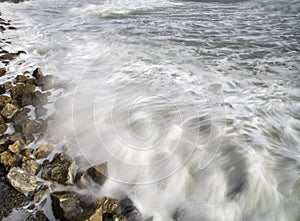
x: 31, y: 168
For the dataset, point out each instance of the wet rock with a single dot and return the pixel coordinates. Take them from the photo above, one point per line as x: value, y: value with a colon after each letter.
x: 21, y: 79
x: 29, y: 129
x: 74, y: 206
x: 40, y: 111
x: 10, y: 198
x: 47, y: 82
x: 37, y: 216
x: 16, y: 147
x: 20, y: 120
x: 9, y: 159
x: 26, y: 99
x: 7, y: 85
x: 9, y: 111
x: 60, y: 169
x: 21, y: 180
x: 20, y: 89
x: 98, y: 173
x: 8, y: 139
x: 2, y: 71
x: 30, y: 165
x: 39, y: 98
x: 82, y: 179
x: 43, y: 151
x: 3, y: 128
x: 27, y: 152
x: 11, y: 56
x: 2, y: 90
x: 40, y: 191
x: 4, y: 100
x: 128, y: 209
x: 37, y: 73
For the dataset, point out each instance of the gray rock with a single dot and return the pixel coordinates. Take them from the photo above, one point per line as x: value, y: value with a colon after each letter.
x: 98, y: 173
x: 21, y: 180
x: 60, y: 169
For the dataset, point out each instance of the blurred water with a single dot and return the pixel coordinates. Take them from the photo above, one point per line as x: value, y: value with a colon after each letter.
x: 194, y: 104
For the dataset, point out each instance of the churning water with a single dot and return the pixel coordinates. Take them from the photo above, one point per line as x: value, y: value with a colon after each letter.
x: 194, y: 104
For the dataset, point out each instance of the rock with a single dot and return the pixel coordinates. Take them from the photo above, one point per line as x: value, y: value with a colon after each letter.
x: 39, y: 98
x: 21, y: 180
x: 20, y: 120
x: 27, y: 152
x: 2, y: 90
x: 7, y: 85
x: 29, y: 129
x: 21, y: 79
x: 20, y: 89
x: 26, y: 99
x: 37, y: 73
x: 60, y: 169
x: 128, y: 209
x: 16, y: 147
x: 9, y: 111
x: 4, y: 100
x: 82, y: 179
x: 10, y: 198
x: 43, y: 151
x: 3, y: 128
x: 9, y: 159
x: 40, y: 111
x: 40, y: 191
x: 11, y: 56
x: 98, y: 173
x: 8, y: 139
x: 47, y: 82
x: 2, y: 71
x: 31, y: 166
x: 74, y: 206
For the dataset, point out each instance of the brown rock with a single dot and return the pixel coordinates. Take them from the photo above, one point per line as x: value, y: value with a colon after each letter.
x: 31, y: 166
x: 21, y: 119
x: 7, y: 85
x: 73, y: 206
x: 11, y: 56
x: 98, y: 173
x: 9, y: 159
x: 3, y: 128
x: 30, y: 81
x: 4, y: 100
x: 21, y: 180
x: 43, y: 151
x: 40, y: 191
x: 16, y: 147
x: 10, y: 139
x: 26, y: 99
x: 37, y: 73
x: 9, y: 111
x: 2, y: 71
x: 27, y: 152
x: 21, y: 79
x: 60, y: 169
x: 29, y: 129
x: 20, y: 89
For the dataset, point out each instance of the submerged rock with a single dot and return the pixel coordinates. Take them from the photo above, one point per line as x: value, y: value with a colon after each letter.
x: 21, y: 180
x: 9, y: 111
x: 43, y: 151
x: 98, y: 173
x: 60, y: 169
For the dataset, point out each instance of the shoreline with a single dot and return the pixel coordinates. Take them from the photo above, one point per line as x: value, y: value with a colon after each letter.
x: 26, y: 156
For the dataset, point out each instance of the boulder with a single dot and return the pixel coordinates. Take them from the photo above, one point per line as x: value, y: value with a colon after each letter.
x: 27, y: 152
x: 26, y: 99
x: 39, y: 98
x: 29, y: 129
x: 74, y: 206
x: 82, y: 179
x: 3, y: 128
x: 9, y: 111
x: 20, y: 89
x: 9, y: 159
x: 7, y: 85
x: 21, y: 119
x: 21, y: 79
x: 98, y: 173
x: 30, y: 165
x: 4, y: 100
x: 21, y: 180
x: 60, y: 169
x: 43, y: 151
x: 40, y: 191
x: 16, y: 147
x: 2, y: 71
x: 37, y: 73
